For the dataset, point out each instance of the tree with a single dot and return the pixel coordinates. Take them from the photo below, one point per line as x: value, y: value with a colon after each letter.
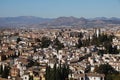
x: 86, y: 42
x: 30, y: 77
x: 111, y: 49
x: 102, y: 39
x: 57, y: 72
x: 108, y: 70
x: 47, y: 76
x: 37, y: 40
x: 80, y: 35
x: 45, y: 42
x: 36, y: 63
x: 18, y: 39
x: 95, y: 40
x: 57, y: 44
x: 30, y: 63
x: 101, y: 52
x: 105, y: 69
x: 108, y: 47
x: 79, y: 44
x: 113, y: 77
x: 115, y: 50
x: 116, y: 77
x: 5, y: 72
x: 1, y: 69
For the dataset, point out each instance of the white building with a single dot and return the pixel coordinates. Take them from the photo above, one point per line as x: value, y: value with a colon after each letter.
x: 88, y: 76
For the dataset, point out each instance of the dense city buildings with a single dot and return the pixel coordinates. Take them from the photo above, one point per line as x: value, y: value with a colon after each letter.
x: 60, y: 54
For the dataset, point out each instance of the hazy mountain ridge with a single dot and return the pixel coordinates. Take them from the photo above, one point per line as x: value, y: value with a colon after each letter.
x: 31, y: 21
x: 21, y: 21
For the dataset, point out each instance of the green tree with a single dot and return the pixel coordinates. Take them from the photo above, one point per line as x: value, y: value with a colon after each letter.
x: 105, y: 69
x: 36, y: 63
x: 113, y: 77
x: 57, y: 72
x: 79, y: 44
x: 115, y: 50
x: 108, y: 47
x: 102, y: 39
x: 18, y: 39
x: 30, y: 77
x: 111, y: 49
x: 86, y: 42
x: 80, y: 35
x: 45, y: 42
x: 108, y: 70
x: 5, y: 72
x: 1, y: 69
x: 37, y: 40
x: 116, y: 77
x: 57, y: 44
x: 47, y: 76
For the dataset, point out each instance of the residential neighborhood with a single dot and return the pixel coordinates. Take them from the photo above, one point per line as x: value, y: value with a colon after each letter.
x: 29, y: 54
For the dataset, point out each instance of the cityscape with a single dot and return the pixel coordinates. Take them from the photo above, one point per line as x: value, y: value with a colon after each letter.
x: 57, y: 43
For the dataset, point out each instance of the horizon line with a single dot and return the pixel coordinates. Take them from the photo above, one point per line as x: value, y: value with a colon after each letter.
x: 59, y: 17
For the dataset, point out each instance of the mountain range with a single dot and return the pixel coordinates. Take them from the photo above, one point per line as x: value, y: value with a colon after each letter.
x: 31, y: 21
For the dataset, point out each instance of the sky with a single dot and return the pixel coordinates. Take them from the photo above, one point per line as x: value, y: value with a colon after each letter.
x: 59, y: 8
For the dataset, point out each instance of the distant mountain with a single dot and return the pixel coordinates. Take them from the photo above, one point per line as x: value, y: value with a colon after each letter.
x: 82, y: 22
x: 21, y: 21
x: 114, y: 18
x: 24, y: 19
x: 104, y: 18
x: 100, y: 18
x: 31, y: 21
x: 66, y: 21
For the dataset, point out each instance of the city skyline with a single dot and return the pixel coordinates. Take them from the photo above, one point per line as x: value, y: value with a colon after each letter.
x: 55, y: 8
